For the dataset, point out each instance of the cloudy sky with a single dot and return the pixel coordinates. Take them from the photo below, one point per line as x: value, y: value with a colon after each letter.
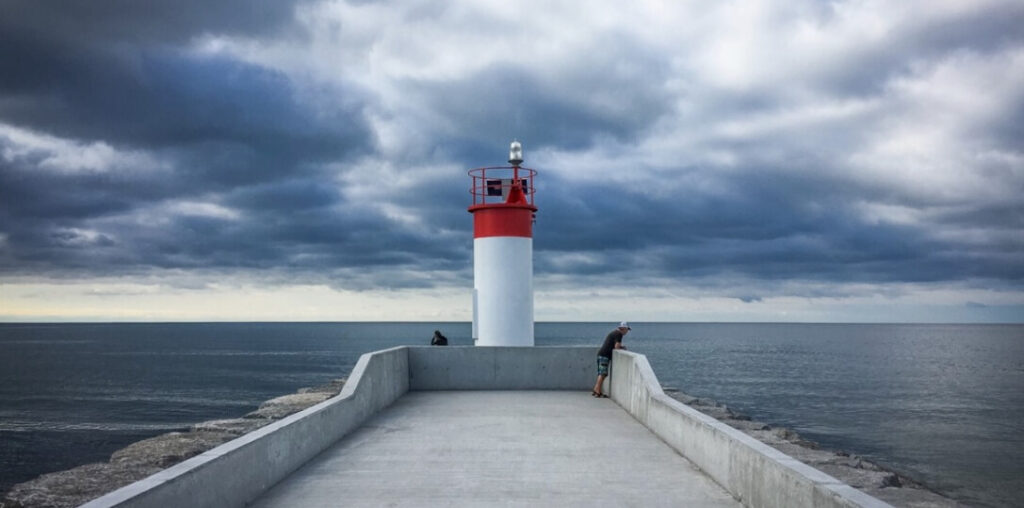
x: 797, y: 160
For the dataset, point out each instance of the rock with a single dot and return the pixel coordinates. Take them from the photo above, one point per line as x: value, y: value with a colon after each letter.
x: 682, y: 397
x: 705, y: 402
x: 788, y: 435
x: 169, y: 449
x: 720, y: 413
x: 785, y: 434
x: 74, y: 487
x: 870, y: 466
x: 746, y: 425
x: 333, y: 387
x: 811, y: 456
x: 891, y: 480
x: 848, y: 461
x: 856, y: 478
x: 912, y: 498
x: 235, y: 426
x: 288, y: 404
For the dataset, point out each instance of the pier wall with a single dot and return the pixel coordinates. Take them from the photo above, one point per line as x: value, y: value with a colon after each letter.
x: 502, y: 368
x: 237, y: 472
x: 755, y: 473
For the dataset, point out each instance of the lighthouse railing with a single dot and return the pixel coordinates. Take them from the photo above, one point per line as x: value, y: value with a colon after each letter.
x: 492, y: 185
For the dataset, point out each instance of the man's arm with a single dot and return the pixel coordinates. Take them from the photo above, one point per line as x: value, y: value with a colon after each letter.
x: 618, y: 345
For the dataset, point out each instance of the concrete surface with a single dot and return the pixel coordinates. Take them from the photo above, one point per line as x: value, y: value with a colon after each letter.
x: 508, y: 448
x: 502, y: 368
x: 755, y: 473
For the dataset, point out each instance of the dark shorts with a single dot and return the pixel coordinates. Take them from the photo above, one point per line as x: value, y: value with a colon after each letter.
x: 602, y: 365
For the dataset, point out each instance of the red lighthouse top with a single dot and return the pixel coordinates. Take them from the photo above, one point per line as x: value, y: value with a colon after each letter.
x: 503, y: 199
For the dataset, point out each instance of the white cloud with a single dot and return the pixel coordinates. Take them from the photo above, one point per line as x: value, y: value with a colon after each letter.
x: 60, y: 155
x: 202, y: 209
x: 933, y: 142
x: 78, y: 237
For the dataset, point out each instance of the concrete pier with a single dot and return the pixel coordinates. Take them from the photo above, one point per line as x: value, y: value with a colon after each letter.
x: 509, y: 448
x: 493, y: 426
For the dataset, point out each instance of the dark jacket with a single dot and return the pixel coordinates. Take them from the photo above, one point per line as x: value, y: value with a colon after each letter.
x: 439, y: 340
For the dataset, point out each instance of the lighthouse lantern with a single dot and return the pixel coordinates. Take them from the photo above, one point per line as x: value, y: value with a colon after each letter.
x: 515, y: 153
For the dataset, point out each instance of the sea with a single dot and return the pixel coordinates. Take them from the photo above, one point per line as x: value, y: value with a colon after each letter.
x: 943, y: 404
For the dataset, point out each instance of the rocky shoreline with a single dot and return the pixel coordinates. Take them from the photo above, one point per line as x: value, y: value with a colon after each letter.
x: 70, y: 488
x: 73, y: 487
x: 866, y: 476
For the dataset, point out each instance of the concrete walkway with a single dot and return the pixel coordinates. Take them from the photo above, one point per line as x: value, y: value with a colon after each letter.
x: 507, y: 448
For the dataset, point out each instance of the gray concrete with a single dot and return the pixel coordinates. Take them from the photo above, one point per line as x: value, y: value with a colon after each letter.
x: 477, y: 451
x: 502, y: 368
x: 755, y: 473
x: 236, y: 472
x: 508, y: 448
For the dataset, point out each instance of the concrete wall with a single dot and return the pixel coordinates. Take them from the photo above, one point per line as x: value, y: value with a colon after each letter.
x: 236, y: 472
x: 755, y: 473
x: 502, y: 368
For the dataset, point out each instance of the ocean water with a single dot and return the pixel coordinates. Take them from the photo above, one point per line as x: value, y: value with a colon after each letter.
x: 943, y: 404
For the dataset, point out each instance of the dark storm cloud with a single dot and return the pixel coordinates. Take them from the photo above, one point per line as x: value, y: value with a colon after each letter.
x: 986, y: 29
x: 299, y: 237
x: 765, y: 226
x: 243, y: 163
x: 617, y: 92
x: 29, y: 194
x: 49, y: 50
x: 867, y: 69
x: 230, y: 132
x: 144, y: 21
x: 234, y: 119
x: 285, y: 196
x: 118, y: 72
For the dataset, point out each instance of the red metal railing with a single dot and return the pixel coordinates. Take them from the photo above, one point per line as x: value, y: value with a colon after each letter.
x: 494, y: 185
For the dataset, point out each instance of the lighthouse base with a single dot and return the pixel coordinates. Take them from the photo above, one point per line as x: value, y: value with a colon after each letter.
x: 503, y: 291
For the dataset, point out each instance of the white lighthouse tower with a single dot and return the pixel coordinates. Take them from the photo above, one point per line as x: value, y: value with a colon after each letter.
x: 503, y: 214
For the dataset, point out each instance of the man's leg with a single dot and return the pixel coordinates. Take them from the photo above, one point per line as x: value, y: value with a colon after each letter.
x: 600, y: 382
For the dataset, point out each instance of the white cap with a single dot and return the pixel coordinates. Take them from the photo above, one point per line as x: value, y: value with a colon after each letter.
x: 624, y: 325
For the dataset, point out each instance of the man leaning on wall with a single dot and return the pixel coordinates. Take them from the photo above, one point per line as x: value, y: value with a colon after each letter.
x: 604, y: 356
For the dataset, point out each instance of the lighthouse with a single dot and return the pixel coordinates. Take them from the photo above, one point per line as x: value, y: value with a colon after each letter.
x: 503, y: 213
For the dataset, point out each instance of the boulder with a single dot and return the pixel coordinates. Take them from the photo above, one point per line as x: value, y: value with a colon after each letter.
x: 74, y: 487
x: 169, y: 449
x: 911, y: 497
x: 746, y: 425
x: 288, y: 404
x: 333, y: 387
x: 235, y: 426
x: 682, y: 397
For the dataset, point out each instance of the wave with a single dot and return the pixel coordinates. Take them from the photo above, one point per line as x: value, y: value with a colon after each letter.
x: 215, y: 352
x: 47, y: 341
x: 52, y: 426
x: 125, y: 397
